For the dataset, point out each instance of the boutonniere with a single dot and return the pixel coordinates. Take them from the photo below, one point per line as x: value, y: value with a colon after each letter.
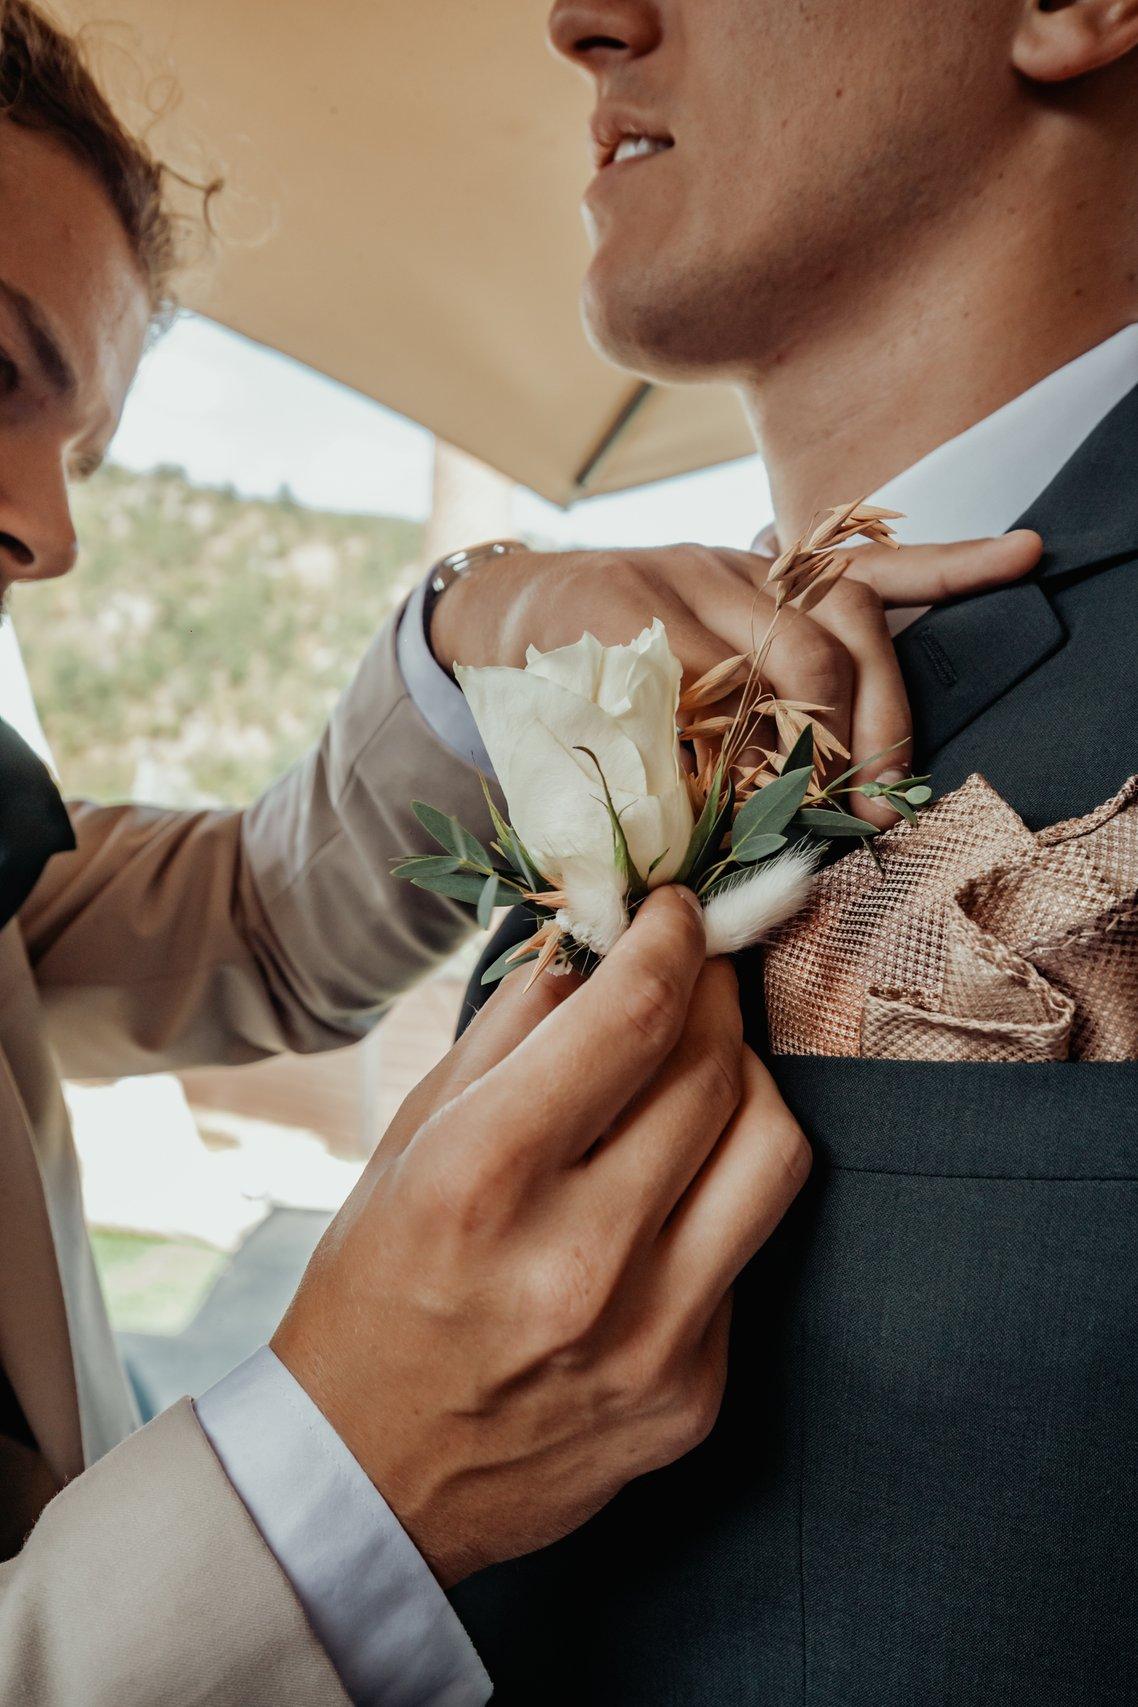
x: 617, y: 781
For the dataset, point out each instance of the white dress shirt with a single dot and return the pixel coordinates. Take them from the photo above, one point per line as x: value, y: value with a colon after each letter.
x: 980, y: 484
x: 385, y: 1623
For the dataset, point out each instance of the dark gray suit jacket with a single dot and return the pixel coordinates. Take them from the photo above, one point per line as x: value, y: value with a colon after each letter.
x: 923, y: 1488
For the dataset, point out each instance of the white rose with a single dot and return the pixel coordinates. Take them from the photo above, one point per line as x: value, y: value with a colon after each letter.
x: 539, y: 726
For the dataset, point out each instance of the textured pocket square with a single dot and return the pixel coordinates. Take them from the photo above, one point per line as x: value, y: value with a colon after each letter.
x: 978, y: 941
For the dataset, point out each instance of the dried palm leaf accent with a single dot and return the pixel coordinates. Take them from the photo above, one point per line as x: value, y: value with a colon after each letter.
x: 547, y: 941
x: 550, y: 899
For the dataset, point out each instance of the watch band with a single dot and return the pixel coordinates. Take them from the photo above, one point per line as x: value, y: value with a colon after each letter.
x: 456, y: 567
x: 450, y: 569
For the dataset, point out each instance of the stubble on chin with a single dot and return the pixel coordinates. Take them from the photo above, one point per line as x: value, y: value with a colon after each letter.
x: 674, y: 325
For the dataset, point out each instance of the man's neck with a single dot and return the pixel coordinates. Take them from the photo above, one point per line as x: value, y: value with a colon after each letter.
x: 855, y: 404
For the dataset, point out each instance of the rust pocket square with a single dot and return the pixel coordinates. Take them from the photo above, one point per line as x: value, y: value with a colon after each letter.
x: 976, y: 940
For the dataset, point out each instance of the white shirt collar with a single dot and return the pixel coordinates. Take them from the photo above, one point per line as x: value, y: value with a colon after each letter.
x: 980, y: 483
x: 983, y: 481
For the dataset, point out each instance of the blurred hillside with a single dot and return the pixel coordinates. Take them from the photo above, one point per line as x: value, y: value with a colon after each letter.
x: 199, y: 646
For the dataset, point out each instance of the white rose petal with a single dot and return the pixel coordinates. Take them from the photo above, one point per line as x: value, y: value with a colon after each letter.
x: 540, y: 724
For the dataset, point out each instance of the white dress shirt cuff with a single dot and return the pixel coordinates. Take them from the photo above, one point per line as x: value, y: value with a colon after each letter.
x: 382, y: 1618
x: 436, y: 695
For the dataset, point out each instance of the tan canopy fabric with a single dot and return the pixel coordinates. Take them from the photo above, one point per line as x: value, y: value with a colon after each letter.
x: 403, y: 215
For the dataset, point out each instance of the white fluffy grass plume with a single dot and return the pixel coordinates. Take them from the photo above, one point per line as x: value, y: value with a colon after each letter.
x: 749, y: 909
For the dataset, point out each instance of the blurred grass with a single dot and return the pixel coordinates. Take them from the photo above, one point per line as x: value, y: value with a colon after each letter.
x: 197, y: 649
x: 154, y: 1285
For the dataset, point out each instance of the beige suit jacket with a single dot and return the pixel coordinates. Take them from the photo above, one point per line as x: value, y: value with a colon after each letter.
x: 170, y: 939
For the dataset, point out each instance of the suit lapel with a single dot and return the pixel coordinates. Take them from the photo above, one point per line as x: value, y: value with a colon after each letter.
x: 960, y: 659
x: 35, y: 1341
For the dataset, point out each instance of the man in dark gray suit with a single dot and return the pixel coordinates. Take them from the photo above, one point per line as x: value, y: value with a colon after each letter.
x: 910, y: 235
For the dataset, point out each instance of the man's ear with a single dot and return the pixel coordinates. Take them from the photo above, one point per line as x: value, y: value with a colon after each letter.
x: 1061, y: 39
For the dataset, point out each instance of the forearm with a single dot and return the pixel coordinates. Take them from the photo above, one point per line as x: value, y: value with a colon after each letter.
x: 145, y: 1581
x: 170, y: 939
x: 347, y: 936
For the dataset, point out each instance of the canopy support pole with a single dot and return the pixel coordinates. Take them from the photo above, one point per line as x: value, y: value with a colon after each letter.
x: 612, y: 435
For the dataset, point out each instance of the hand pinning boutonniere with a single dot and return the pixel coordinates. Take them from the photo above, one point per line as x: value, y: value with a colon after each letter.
x: 617, y: 781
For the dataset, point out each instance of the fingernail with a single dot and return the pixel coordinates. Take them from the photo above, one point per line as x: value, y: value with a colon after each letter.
x: 888, y: 778
x: 690, y: 897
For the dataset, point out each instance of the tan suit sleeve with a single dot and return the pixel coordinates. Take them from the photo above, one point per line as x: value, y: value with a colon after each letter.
x: 145, y: 1583
x: 171, y: 939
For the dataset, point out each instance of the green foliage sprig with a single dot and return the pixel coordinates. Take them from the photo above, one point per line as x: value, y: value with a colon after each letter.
x: 724, y: 844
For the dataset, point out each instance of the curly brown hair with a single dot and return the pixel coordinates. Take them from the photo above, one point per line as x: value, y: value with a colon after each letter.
x: 46, y: 85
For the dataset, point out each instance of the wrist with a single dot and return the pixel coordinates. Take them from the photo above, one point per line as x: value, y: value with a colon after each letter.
x: 445, y: 622
x: 448, y: 581
x: 403, y: 1482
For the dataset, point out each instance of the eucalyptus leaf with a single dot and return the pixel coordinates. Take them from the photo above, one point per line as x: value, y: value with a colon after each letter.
x: 822, y: 823
x: 487, y: 901
x: 451, y: 835
x: 519, y: 853
x: 919, y: 796
x: 467, y: 886
x: 504, y: 965
x: 473, y: 849
x: 437, y: 824
x: 770, y: 810
x: 802, y: 753
x: 513, y: 849
x: 759, y: 847
x: 901, y: 805
x: 427, y: 865
x: 861, y: 763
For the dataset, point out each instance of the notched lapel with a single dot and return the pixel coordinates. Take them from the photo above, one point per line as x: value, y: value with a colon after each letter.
x: 960, y: 659
x: 1088, y: 516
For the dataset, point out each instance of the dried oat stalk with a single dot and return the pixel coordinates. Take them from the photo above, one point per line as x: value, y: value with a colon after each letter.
x: 798, y: 581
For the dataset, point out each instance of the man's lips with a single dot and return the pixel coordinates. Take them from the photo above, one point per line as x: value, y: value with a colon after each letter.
x: 620, y: 137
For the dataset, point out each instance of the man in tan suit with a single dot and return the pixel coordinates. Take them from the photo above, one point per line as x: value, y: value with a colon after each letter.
x: 453, y: 1384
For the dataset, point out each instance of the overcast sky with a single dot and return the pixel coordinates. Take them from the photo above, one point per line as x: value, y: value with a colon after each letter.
x: 233, y: 413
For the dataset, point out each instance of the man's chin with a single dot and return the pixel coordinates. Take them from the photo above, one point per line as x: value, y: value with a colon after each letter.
x: 650, y: 333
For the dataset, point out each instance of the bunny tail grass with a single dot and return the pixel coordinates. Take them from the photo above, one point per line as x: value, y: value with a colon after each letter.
x: 746, y: 911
